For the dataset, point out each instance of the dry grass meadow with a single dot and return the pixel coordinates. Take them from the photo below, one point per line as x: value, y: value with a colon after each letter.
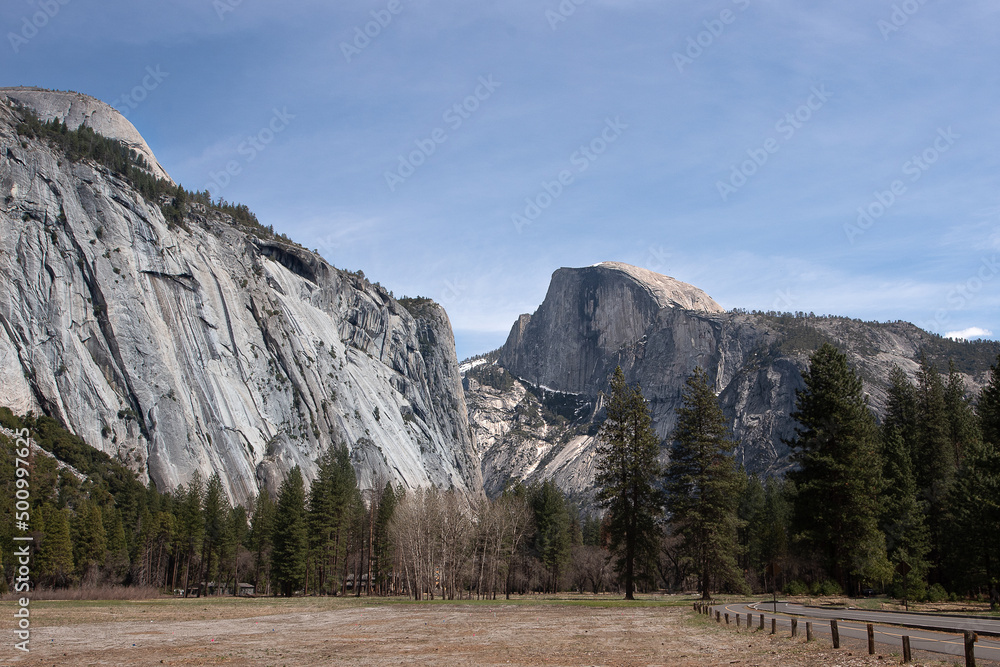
x: 370, y: 631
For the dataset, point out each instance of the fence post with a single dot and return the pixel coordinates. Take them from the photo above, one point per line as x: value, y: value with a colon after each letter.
x: 749, y: 621
x: 727, y: 618
x: 970, y: 648
x: 737, y: 620
x: 774, y: 626
x: 907, y: 655
x: 762, y: 621
x: 871, y: 639
x: 795, y: 627
x: 718, y: 616
x: 809, y: 631
x: 835, y: 631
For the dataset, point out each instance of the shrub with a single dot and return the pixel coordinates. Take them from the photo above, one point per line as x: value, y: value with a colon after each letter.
x: 937, y: 593
x: 828, y: 587
x: 796, y: 588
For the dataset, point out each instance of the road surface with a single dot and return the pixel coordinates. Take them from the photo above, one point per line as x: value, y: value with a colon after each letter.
x: 934, y: 633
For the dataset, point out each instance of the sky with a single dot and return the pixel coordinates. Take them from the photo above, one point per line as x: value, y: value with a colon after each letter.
x: 836, y: 158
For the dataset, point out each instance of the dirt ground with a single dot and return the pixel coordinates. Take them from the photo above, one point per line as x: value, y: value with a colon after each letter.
x: 316, y: 631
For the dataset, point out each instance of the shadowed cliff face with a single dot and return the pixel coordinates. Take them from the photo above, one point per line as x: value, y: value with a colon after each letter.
x: 536, y: 403
x: 205, y: 347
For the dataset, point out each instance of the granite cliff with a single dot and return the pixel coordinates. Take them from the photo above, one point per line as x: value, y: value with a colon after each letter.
x: 202, y: 344
x: 535, y: 404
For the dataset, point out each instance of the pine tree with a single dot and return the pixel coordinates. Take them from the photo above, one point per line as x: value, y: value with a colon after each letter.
x: 117, y: 557
x: 975, y: 502
x: 89, y: 538
x: 552, y: 536
x: 215, y: 511
x: 55, y: 555
x: 627, y: 473
x: 907, y: 538
x: 382, y: 551
x: 839, y: 478
x: 703, y: 487
x: 988, y: 407
x: 261, y: 544
x: 963, y: 427
x: 190, y: 525
x: 934, y: 460
x: 974, y: 529
x: 290, y: 536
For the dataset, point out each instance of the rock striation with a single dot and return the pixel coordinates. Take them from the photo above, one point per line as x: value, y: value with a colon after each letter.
x: 206, y: 345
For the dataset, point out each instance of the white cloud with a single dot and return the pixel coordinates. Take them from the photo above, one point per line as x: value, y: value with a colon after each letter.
x: 969, y: 334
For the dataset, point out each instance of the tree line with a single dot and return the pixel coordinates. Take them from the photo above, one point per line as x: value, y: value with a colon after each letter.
x: 909, y: 505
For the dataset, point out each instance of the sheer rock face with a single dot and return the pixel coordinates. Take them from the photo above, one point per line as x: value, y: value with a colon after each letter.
x: 657, y: 329
x: 206, y: 348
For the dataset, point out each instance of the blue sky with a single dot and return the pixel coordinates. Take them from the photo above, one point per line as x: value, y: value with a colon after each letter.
x: 732, y: 144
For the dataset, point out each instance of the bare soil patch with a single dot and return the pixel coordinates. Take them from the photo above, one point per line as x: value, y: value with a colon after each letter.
x: 317, y: 631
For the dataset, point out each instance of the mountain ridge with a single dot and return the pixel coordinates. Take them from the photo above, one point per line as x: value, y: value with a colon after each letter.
x: 537, y: 404
x: 203, y: 343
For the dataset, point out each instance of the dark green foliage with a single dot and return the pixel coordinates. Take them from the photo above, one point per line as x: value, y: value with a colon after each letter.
x: 934, y: 461
x: 907, y: 538
x: 974, y: 546
x: 89, y: 538
x: 839, y: 479
x: 418, y: 306
x: 492, y: 376
x: 974, y: 503
x: 85, y: 144
x: 261, y: 540
x: 703, y: 487
x: 382, y: 547
x: 552, y: 530
x: 765, y: 512
x: 333, y: 500
x: 627, y: 473
x: 215, y: 514
x: 988, y: 409
x: 291, y: 535
x: 963, y: 427
x: 55, y: 553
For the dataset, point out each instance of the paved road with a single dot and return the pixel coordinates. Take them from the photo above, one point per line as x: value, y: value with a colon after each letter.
x: 889, y: 627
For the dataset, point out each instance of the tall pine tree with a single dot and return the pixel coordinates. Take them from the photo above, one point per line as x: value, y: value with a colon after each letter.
x: 974, y: 505
x: 838, y: 480
x: 704, y: 485
x: 627, y: 472
x: 290, y: 535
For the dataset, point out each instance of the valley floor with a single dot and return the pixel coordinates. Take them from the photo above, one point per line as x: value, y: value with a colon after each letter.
x: 323, y: 631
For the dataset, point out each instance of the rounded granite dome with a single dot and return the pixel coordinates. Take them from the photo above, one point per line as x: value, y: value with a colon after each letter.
x: 76, y: 109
